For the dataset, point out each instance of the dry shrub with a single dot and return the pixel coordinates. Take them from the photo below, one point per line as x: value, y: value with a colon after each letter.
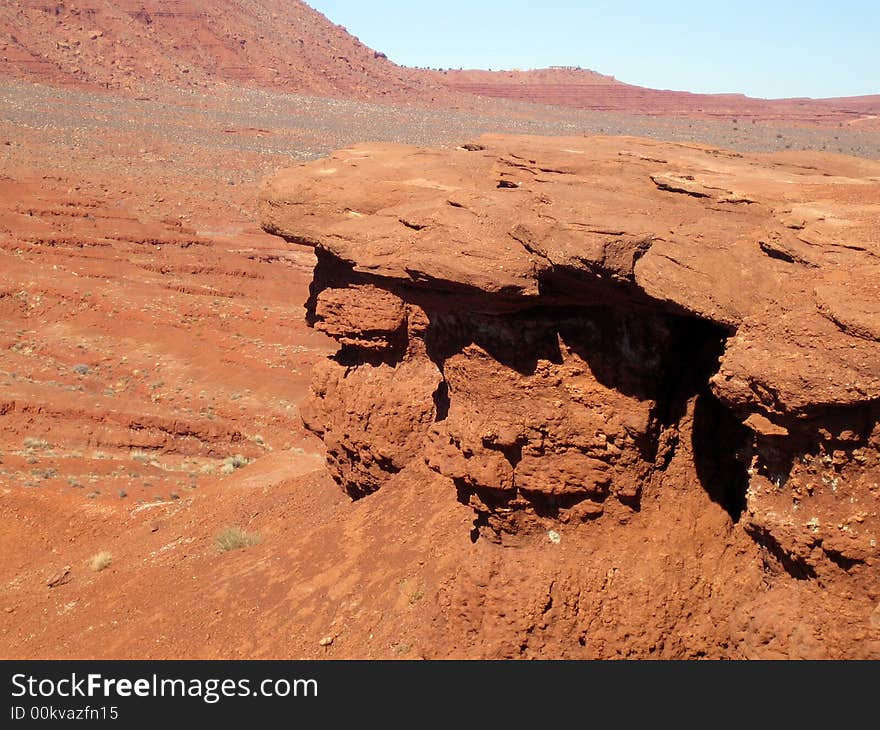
x: 235, y: 538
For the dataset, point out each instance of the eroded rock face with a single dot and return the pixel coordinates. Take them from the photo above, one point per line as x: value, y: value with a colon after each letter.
x: 551, y: 324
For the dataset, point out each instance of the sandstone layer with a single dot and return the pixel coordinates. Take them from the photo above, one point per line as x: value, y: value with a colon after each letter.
x: 571, y: 332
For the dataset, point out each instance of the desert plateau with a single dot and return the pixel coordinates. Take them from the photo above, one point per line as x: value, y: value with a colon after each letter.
x: 305, y: 354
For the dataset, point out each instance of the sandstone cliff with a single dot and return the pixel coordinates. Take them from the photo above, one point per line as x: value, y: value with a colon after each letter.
x: 604, y: 340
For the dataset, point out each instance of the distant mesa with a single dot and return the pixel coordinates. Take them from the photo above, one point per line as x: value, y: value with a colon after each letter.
x: 572, y: 86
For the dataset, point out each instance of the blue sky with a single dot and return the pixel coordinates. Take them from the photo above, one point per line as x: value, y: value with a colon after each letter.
x: 766, y: 49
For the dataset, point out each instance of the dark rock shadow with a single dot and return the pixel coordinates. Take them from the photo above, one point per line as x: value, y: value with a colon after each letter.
x: 719, y: 441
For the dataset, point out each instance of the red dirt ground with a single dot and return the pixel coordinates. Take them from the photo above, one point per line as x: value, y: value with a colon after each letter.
x: 151, y: 332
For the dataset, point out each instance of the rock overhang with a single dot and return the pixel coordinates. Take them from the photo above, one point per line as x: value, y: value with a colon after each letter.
x: 782, y: 251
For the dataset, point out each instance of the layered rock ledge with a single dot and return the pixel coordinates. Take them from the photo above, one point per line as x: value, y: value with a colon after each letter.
x: 562, y: 326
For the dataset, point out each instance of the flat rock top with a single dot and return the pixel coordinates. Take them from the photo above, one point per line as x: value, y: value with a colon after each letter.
x: 782, y: 250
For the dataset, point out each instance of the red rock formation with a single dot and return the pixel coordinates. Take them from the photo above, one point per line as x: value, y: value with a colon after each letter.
x: 569, y: 331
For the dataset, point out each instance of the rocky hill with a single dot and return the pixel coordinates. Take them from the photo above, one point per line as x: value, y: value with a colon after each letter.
x: 283, y: 44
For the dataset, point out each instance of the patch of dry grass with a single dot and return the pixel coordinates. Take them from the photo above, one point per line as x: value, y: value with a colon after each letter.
x: 231, y: 463
x: 235, y: 538
x: 100, y: 560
